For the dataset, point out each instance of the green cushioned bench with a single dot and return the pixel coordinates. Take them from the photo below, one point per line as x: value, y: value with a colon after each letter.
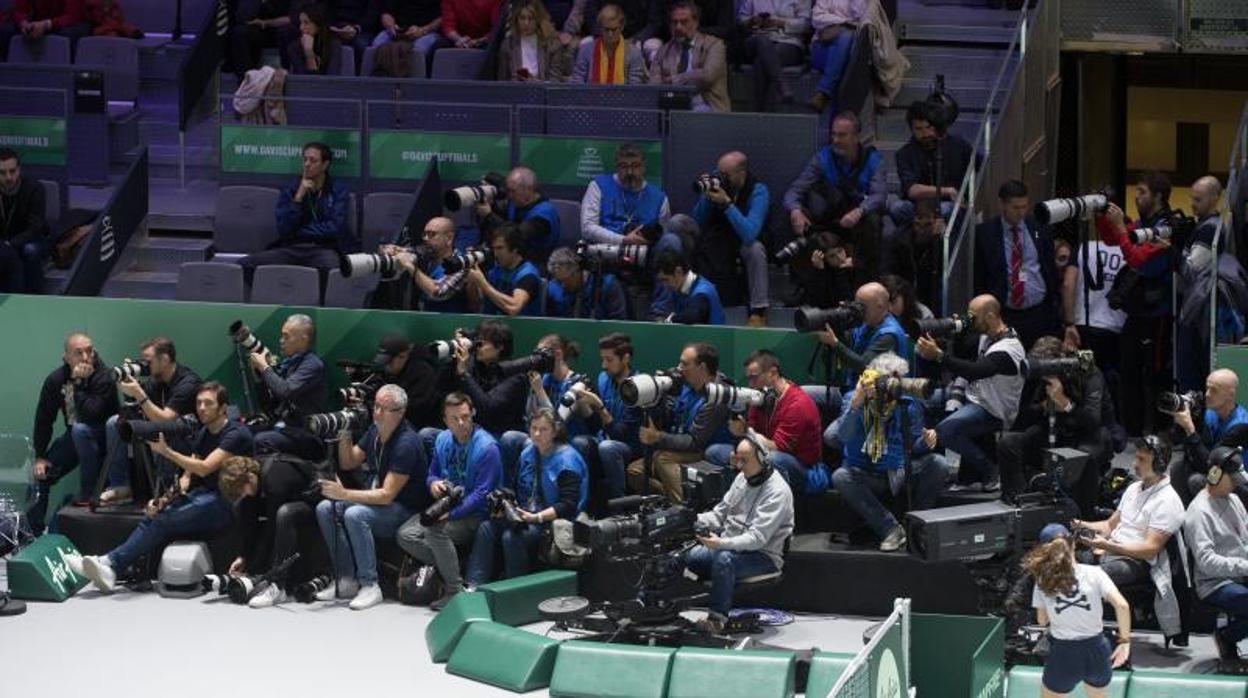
x: 1024, y: 682
x: 825, y: 669
x: 514, y: 601
x: 445, y: 630
x: 503, y: 656
x: 714, y: 673
x: 599, y: 670
x: 1169, y: 684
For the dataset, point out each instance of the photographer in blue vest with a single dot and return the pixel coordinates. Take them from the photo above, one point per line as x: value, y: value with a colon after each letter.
x: 582, y: 289
x: 612, y: 426
x: 624, y: 209
x: 682, y: 296
x: 513, y: 286
x: 528, y: 209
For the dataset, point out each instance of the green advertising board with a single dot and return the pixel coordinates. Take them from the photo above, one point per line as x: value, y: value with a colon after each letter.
x: 570, y: 161
x: 890, y: 677
x: 462, y: 157
x: 39, y: 140
x: 247, y: 149
x: 41, y: 571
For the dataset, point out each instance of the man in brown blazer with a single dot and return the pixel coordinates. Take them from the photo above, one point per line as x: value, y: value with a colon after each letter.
x: 693, y: 58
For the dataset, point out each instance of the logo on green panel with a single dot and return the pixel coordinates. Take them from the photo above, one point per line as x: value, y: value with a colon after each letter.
x: 247, y: 149
x: 39, y: 141
x: 462, y: 157
x: 59, y: 572
x: 887, y: 677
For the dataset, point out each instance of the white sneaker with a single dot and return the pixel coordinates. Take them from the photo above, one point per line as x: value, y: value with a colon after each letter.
x: 896, y: 540
x: 99, y: 570
x: 367, y: 597
x: 272, y: 595
x: 114, y: 496
x: 347, y: 588
x: 74, y: 561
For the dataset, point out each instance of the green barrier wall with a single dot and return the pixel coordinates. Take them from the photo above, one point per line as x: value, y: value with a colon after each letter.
x: 957, y: 656
x: 1235, y: 357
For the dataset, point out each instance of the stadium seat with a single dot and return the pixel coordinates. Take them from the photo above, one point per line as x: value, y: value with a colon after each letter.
x: 216, y: 282
x: 341, y: 292
x: 347, y: 64
x: 457, y: 63
x: 119, y: 59
x: 282, y: 284
x: 244, y: 219
x: 569, y: 221
x: 369, y: 61
x: 353, y: 217
x: 385, y: 213
x: 1170, y: 684
x: 51, y: 202
x: 51, y: 50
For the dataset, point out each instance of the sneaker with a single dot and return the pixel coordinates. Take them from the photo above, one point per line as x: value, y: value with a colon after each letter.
x: 74, y: 561
x: 967, y: 487
x: 894, y: 541
x: 1227, y: 650
x: 440, y: 603
x: 347, y: 588
x: 992, y: 484
x: 115, y: 496
x: 272, y: 595
x: 713, y: 623
x: 99, y: 570
x: 368, y: 596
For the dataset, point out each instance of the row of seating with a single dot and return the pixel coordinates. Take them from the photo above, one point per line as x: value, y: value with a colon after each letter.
x: 244, y: 220
x: 118, y: 59
x: 1024, y: 682
x: 274, y: 284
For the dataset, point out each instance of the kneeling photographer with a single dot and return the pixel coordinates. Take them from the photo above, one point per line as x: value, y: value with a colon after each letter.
x: 553, y: 483
x: 581, y: 287
x: 1222, y: 423
x: 744, y: 535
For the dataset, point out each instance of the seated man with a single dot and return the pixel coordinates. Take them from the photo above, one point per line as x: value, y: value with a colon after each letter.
x: 682, y: 296
x: 464, y: 456
x: 1214, y: 531
x: 623, y: 208
x: 583, y: 290
x: 311, y: 220
x: 291, y: 391
x: 747, y: 530
x: 931, y: 153
x: 614, y: 425
x: 194, y: 507
x: 609, y: 59
x: 1222, y: 414
x: 693, y: 58
x: 500, y: 399
x: 417, y: 21
x: 879, y: 432
x: 23, y: 229
x: 731, y: 219
x: 395, y: 471
x: 469, y: 23
x: 775, y: 38
x: 81, y: 389
x: 440, y: 291
x: 529, y: 210
x: 31, y: 20
x: 513, y: 286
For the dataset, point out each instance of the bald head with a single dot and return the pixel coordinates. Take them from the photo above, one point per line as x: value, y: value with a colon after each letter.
x: 986, y: 312
x: 734, y: 167
x: 1220, y: 389
x: 874, y: 299
x: 1206, y: 192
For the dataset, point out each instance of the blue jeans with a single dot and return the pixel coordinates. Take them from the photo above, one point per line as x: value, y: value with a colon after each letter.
x: 1232, y: 598
x: 510, y: 445
x: 831, y: 58
x: 519, y: 548
x: 902, y: 212
x: 788, y: 464
x: 861, y: 489
x: 21, y: 271
x: 362, y: 522
x: 201, y: 512
x: 118, y: 468
x: 723, y: 567
x: 958, y: 432
x: 81, y: 446
x: 611, y: 459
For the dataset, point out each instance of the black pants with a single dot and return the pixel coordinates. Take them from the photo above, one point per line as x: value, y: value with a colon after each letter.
x: 303, y: 254
x: 248, y: 41
x: 769, y: 59
x: 1032, y: 323
x: 1144, y: 371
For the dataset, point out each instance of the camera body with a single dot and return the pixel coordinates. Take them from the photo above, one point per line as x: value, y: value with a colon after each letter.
x: 434, y: 512
x: 708, y: 181
x: 945, y: 327
x: 501, y: 504
x: 131, y: 369
x: 1173, y: 403
x: 326, y: 425
x: 843, y: 317
x: 645, y: 390
x: 542, y: 360
x: 472, y: 259
x: 654, y: 524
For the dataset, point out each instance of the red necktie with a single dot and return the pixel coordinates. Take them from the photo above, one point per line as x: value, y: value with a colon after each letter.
x: 1016, y: 267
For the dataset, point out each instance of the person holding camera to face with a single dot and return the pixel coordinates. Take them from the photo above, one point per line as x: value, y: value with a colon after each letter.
x: 744, y: 534
x: 879, y: 333
x: 528, y: 209
x: 731, y: 213
x: 440, y: 291
x: 683, y: 296
x: 553, y: 483
x: 546, y: 389
x: 1222, y: 422
x: 465, y: 466
x: 410, y: 367
x: 513, y: 286
x: 293, y: 389
x: 580, y: 288
x: 1215, y: 527
x: 500, y: 399
x: 613, y: 426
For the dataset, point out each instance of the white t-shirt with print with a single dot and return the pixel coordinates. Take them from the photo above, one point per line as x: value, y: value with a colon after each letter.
x: 1077, y: 615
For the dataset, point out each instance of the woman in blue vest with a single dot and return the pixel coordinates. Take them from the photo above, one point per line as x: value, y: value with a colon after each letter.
x: 681, y: 296
x: 513, y: 286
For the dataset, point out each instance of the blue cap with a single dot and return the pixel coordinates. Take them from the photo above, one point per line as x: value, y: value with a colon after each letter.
x: 1053, y: 530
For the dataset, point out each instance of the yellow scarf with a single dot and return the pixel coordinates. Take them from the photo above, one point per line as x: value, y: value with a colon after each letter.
x: 607, y: 70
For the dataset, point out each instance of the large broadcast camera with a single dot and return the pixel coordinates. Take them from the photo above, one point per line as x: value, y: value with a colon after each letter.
x: 1055, y: 211
x: 1081, y: 364
x: 491, y: 188
x: 1178, y: 228
x: 130, y: 369
x: 944, y: 327
x: 328, y: 424
x: 645, y: 390
x: 617, y: 256
x: 141, y: 430
x: 472, y: 259
x: 542, y: 360
x: 843, y: 317
x: 653, y: 525
x: 1173, y: 403
x: 737, y: 399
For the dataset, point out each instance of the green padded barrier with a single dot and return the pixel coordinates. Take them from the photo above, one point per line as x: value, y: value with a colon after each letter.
x: 39, y: 572
x: 712, y: 673
x: 599, y: 670
x: 514, y: 601
x: 445, y: 630
x: 503, y: 656
x: 1169, y: 684
x: 825, y: 669
x: 1024, y: 682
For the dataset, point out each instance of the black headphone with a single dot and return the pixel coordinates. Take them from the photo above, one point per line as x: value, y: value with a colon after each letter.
x: 1160, y: 448
x: 1224, y: 460
x: 764, y: 457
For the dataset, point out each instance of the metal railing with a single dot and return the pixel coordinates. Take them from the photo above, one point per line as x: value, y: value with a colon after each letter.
x: 1224, y: 240
x: 1190, y: 26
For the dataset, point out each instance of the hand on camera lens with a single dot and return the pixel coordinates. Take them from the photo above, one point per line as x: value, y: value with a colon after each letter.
x: 817, y: 260
x: 131, y: 388
x: 828, y: 336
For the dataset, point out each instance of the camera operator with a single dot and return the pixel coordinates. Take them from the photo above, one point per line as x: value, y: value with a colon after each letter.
x: 787, y: 426
x: 688, y: 425
x: 623, y: 208
x: 1221, y: 414
x: 831, y: 277
x: 195, y: 507
x: 613, y: 424
x: 1198, y: 269
x: 529, y: 210
x: 553, y: 483
x: 81, y: 389
x: 394, y: 462
x: 465, y: 455
x: 499, y: 398
x: 1214, y: 528
x: 440, y: 291
x: 879, y: 333
x: 994, y: 386
x: 297, y: 386
x: 876, y: 431
x: 513, y: 286
x: 682, y: 296
x: 410, y: 367
x: 746, y: 530
x: 166, y: 393
x: 732, y: 218
x: 545, y: 391
x: 932, y: 152
x: 582, y: 289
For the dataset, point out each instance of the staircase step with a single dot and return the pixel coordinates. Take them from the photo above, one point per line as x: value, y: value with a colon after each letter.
x: 142, y: 284
x: 168, y: 253
x: 958, y: 64
x: 954, y: 33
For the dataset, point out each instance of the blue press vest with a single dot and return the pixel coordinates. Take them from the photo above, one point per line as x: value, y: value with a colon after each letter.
x: 564, y: 458
x: 444, y: 446
x: 560, y: 302
x: 686, y: 409
x: 622, y: 210
x: 859, y: 340
x: 701, y: 287
x: 505, y: 282
x: 547, y: 212
x: 1216, y: 431
x: 833, y: 174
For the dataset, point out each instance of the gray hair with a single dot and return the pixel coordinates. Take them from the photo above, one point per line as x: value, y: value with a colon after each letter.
x: 393, y: 394
x: 524, y: 176
x: 889, y: 364
x: 562, y: 257
x: 305, y: 322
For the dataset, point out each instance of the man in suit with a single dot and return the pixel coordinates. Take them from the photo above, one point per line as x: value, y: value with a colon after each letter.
x: 693, y: 58
x: 1014, y: 261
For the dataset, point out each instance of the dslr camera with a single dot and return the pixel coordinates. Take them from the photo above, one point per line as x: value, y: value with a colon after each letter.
x: 1080, y: 364
x: 443, y: 350
x: 473, y: 258
x: 945, y: 327
x: 645, y: 390
x: 434, y: 512
x: 542, y: 360
x: 1178, y: 228
x: 131, y: 369
x: 501, y: 503
x: 843, y: 317
x: 616, y: 256
x: 798, y: 245
x: 1173, y: 403
x: 491, y: 188
x: 896, y: 387
x: 568, y: 400
x: 328, y: 424
x: 708, y: 181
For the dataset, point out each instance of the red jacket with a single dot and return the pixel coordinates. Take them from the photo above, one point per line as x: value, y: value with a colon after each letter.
x: 793, y: 424
x: 1136, y: 255
x: 470, y: 18
x: 63, y: 13
x: 107, y: 20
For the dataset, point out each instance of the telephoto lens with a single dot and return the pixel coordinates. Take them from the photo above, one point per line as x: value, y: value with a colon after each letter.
x: 842, y: 317
x: 363, y: 264
x: 139, y: 429
x: 736, y: 399
x: 794, y: 248
x: 1156, y: 233
x: 630, y: 256
x: 1172, y: 403
x: 307, y: 591
x: 943, y: 326
x: 241, y: 334
x: 325, y: 426
x: 471, y: 259
x: 894, y: 387
x: 1057, y: 210
x: 568, y: 400
x: 644, y: 390
x: 471, y: 195
x: 442, y: 507
x: 357, y: 392
x: 542, y: 360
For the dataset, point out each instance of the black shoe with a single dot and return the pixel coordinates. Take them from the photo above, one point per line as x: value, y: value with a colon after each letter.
x: 1178, y: 640
x: 1227, y: 650
x: 440, y: 603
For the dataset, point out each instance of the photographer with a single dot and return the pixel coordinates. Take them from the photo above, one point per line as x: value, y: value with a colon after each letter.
x: 878, y: 334
x: 194, y: 507
x: 1198, y: 272
x: 579, y: 288
x: 81, y: 389
x: 932, y: 163
x: 828, y: 277
x: 623, y: 208
x: 395, y: 471
x: 292, y: 390
x: 529, y: 210
x: 553, y: 483
x: 464, y: 456
x: 1214, y: 528
x: 745, y: 532
x: 499, y: 398
x: 513, y: 285
x: 545, y: 391
x: 440, y: 291
x: 994, y: 387
x: 614, y: 425
x: 732, y: 218
x: 681, y: 296
x: 879, y: 432
x: 410, y: 367
x: 1220, y: 415
x: 688, y: 424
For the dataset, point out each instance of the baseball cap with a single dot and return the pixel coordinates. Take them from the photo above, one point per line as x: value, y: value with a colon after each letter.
x: 389, y: 347
x: 1053, y: 530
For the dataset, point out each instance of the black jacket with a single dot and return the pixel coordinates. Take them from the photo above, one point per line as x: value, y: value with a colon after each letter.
x: 992, y: 273
x: 420, y: 378
x: 95, y: 400
x: 298, y: 391
x: 22, y: 217
x: 499, y: 401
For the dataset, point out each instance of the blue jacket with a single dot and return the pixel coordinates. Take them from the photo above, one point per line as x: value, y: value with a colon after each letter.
x: 505, y: 281
x: 853, y: 436
x: 622, y: 210
x: 478, y: 474
x: 625, y: 421
x: 612, y: 303
x: 543, y: 209
x: 747, y: 226
x: 547, y: 493
x: 832, y: 173
x: 860, y: 340
x: 1218, y: 428
x: 321, y: 218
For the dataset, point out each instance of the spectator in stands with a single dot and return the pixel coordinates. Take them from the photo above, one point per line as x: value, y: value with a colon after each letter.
x: 1214, y: 532
x: 531, y: 50
x: 107, y: 19
x: 732, y: 219
x: 354, y: 23
x: 415, y: 21
x: 717, y: 18
x: 440, y: 292
x: 1014, y: 261
x: 993, y: 382
x: 261, y: 25
x: 835, y: 22
x: 880, y: 432
x: 1198, y: 267
x: 682, y: 296
x: 694, y: 58
x: 513, y: 285
x: 411, y: 367
x: 775, y: 37
x: 583, y: 288
x: 468, y: 23
x: 613, y: 423
x: 609, y: 59
x: 195, y: 507
x: 499, y: 399
x: 317, y: 50
x: 932, y: 163
x: 291, y: 390
x: 32, y: 19
x: 623, y: 208
x: 643, y: 20
x: 749, y: 529
x: 395, y: 470
x: 464, y: 455
x: 1220, y: 425
x: 81, y: 389
x: 679, y: 429
x: 529, y: 209
x: 311, y: 219
x: 23, y: 228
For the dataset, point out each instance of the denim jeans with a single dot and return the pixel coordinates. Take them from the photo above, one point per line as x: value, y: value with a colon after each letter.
x: 510, y: 446
x: 723, y: 567
x: 519, y: 548
x: 611, y: 458
x: 1232, y: 598
x: 958, y: 432
x: 201, y: 512
x: 428, y: 435
x: 361, y: 523
x: 82, y: 445
x: 119, y: 467
x: 788, y: 464
x: 902, y: 212
x: 862, y: 489
x: 831, y: 58
x: 21, y: 270
x: 435, y: 545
